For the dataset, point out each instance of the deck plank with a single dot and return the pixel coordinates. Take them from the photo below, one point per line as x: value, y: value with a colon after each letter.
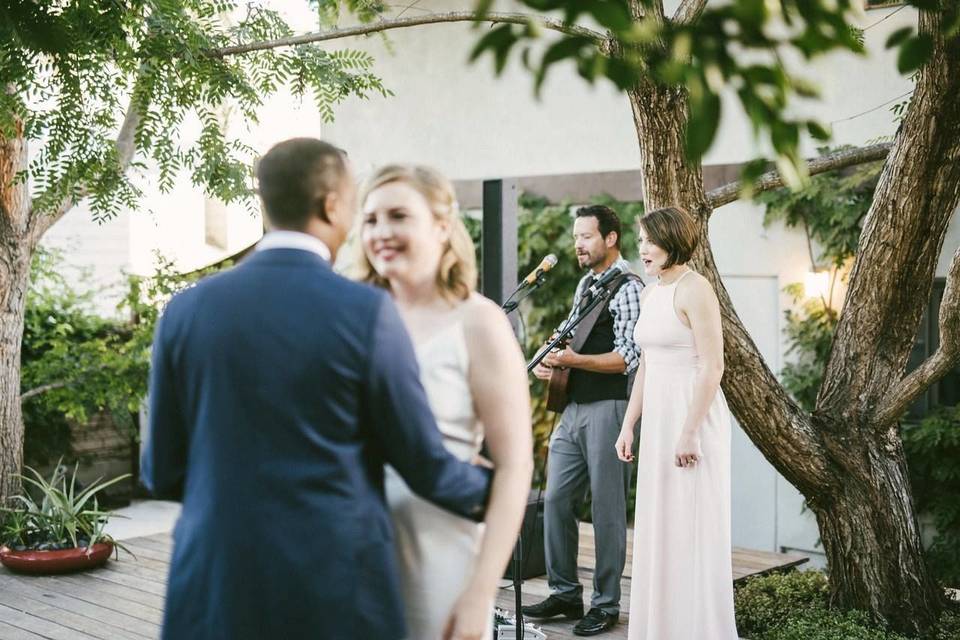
x: 77, y: 617
x: 11, y: 632
x: 124, y: 600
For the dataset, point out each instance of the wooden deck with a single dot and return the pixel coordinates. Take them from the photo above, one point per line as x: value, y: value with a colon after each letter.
x: 746, y: 563
x: 124, y: 600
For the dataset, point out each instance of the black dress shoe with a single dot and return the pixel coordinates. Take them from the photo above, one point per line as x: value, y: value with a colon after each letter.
x: 596, y: 621
x: 552, y: 607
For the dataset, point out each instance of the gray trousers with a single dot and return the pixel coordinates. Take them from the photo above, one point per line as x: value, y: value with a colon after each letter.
x: 582, y: 455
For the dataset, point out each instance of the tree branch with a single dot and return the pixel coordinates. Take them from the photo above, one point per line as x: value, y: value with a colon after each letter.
x: 414, y: 21
x: 830, y: 162
x: 900, y: 245
x: 41, y: 221
x: 647, y: 9
x: 36, y: 391
x: 936, y: 366
x: 689, y: 11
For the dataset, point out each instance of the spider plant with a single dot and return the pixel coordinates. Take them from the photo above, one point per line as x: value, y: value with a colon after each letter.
x: 63, y: 515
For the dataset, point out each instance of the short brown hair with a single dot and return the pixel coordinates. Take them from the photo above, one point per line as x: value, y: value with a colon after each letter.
x: 294, y: 178
x: 673, y: 230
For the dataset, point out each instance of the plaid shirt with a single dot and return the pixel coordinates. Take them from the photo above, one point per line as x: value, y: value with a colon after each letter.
x: 625, y: 309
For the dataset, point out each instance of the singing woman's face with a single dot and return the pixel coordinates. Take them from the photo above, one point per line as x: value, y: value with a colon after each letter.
x: 653, y: 257
x: 401, y: 236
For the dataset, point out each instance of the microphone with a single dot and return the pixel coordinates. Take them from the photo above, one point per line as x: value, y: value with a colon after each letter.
x: 545, y: 265
x: 602, y: 283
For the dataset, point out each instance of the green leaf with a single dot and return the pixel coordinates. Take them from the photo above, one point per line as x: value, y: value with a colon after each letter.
x: 703, y: 123
x: 899, y: 36
x: 566, y: 47
x: 499, y: 40
x: 612, y: 15
x: 818, y: 131
x: 914, y: 53
x: 483, y: 8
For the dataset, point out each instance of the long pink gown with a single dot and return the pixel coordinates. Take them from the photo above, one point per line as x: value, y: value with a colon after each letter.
x: 682, y: 584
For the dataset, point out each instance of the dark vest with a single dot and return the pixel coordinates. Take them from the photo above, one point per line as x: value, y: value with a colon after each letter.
x: 588, y: 386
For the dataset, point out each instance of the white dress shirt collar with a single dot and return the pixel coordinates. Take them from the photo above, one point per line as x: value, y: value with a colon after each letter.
x: 294, y: 240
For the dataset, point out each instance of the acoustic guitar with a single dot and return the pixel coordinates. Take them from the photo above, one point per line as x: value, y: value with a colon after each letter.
x: 557, y: 386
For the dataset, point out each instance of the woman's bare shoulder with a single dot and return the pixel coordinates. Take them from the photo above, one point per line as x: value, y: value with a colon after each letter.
x: 483, y: 318
x: 696, y: 289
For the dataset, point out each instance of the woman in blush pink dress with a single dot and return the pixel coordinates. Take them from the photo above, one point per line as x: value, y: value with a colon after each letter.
x: 682, y: 585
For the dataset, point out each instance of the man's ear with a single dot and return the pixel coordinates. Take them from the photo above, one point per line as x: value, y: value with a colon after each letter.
x: 331, y: 208
x: 611, y: 239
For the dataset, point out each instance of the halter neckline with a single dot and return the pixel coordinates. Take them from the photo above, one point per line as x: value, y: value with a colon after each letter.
x: 661, y: 284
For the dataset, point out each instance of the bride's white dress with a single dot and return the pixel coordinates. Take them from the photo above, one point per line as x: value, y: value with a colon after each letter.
x: 682, y: 585
x: 436, y: 550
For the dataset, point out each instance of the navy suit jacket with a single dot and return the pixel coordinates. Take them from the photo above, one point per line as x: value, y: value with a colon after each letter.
x: 278, y: 390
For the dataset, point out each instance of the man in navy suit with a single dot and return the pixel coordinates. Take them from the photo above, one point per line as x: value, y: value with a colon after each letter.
x: 278, y: 390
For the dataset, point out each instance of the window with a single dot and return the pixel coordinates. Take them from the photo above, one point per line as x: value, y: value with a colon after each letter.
x: 947, y: 390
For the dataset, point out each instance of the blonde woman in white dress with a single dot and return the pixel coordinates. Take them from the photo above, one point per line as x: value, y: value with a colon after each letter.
x: 415, y: 245
x: 682, y: 584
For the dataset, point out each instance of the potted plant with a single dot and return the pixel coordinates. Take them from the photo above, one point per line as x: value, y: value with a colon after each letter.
x: 61, y: 531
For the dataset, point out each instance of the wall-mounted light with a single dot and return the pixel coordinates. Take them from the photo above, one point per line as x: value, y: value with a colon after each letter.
x: 816, y: 284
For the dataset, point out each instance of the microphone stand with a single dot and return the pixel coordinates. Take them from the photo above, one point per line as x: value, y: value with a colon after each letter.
x: 511, y: 305
x: 562, y: 332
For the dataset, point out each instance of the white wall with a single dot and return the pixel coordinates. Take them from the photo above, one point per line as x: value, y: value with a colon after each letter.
x: 470, y: 124
x: 94, y: 253
x: 463, y: 120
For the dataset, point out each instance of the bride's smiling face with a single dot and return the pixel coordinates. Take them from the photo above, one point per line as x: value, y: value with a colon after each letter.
x: 401, y: 236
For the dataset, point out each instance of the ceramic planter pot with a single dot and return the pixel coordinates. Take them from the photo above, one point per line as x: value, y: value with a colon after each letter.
x: 59, y: 561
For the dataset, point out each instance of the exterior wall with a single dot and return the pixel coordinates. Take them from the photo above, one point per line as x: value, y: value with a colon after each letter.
x: 100, y: 250
x: 472, y: 125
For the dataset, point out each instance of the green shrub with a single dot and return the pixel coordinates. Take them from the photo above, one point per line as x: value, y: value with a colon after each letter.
x: 948, y: 628
x: 827, y: 624
x: 795, y: 606
x: 765, y: 601
x: 75, y: 363
x: 933, y: 455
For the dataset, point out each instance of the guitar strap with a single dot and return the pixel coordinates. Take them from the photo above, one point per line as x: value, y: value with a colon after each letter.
x: 586, y: 326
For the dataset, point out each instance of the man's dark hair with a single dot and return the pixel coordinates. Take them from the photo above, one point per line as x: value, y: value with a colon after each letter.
x: 607, y: 219
x: 295, y: 177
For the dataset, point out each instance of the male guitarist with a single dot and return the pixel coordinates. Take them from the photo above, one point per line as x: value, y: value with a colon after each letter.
x: 582, y: 446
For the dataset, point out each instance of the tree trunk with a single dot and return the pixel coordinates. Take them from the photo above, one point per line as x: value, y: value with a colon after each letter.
x: 16, y: 247
x: 871, y: 536
x: 867, y: 526
x: 660, y: 116
x: 14, y: 279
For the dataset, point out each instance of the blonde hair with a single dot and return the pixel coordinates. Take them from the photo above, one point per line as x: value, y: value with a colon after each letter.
x: 457, y: 275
